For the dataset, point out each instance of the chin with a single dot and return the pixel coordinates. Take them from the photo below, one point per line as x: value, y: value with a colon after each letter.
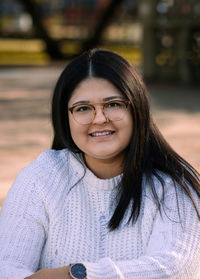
x: 103, y: 155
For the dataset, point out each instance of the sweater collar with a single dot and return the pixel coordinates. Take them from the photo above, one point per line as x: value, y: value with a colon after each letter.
x: 78, y: 165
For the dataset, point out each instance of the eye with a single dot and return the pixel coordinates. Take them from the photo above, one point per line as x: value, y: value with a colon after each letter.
x: 82, y: 109
x: 114, y: 104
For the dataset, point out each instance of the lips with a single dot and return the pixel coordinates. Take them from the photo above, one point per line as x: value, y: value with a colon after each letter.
x: 101, y: 133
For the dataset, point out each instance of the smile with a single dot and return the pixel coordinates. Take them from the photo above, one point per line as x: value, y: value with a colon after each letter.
x: 99, y: 134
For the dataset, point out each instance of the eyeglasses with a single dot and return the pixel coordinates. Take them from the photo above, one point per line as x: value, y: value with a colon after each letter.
x: 112, y: 110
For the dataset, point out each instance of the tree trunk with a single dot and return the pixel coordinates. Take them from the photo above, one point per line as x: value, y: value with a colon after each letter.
x: 34, y: 10
x: 94, y: 40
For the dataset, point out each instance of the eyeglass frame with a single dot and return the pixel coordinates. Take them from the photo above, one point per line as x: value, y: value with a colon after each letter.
x: 101, y: 105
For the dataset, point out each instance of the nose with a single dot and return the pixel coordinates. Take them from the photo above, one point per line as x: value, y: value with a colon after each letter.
x: 99, y: 117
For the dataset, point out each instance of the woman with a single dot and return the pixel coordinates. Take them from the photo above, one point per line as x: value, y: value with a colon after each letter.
x: 111, y: 199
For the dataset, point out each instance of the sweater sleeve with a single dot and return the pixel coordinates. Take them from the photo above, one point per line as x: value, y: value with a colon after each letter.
x: 23, y: 225
x: 173, y: 250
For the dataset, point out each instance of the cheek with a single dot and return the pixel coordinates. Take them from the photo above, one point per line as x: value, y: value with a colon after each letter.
x: 128, y: 125
x: 77, y: 131
x: 71, y: 123
x: 73, y: 128
x: 127, y: 130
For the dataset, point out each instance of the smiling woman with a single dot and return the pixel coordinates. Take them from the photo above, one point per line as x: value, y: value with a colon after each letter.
x: 101, y: 132
x: 111, y: 199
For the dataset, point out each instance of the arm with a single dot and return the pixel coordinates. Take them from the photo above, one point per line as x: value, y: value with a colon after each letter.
x: 173, y: 250
x: 23, y: 224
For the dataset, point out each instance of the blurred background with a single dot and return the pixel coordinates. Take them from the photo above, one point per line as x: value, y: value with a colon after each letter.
x: 38, y: 38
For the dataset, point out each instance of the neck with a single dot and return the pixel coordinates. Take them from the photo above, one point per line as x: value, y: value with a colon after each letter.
x: 105, y: 168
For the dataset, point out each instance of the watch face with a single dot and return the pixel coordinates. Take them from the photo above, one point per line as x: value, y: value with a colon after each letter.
x: 78, y: 271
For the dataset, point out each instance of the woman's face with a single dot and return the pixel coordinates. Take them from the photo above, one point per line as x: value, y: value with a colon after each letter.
x: 102, y: 138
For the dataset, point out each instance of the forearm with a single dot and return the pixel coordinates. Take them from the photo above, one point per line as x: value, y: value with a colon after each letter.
x: 51, y: 273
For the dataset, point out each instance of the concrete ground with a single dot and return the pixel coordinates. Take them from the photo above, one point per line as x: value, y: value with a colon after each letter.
x: 25, y: 126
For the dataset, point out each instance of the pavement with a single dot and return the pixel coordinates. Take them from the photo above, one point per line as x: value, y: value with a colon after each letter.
x: 25, y: 125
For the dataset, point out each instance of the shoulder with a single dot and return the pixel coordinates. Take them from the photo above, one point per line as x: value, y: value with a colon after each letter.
x: 47, y: 180
x: 159, y: 185
x: 49, y: 159
x: 164, y: 191
x: 42, y: 172
x: 47, y: 162
x: 162, y: 188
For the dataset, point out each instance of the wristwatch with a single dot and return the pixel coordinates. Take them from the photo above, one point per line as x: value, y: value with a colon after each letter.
x: 77, y: 271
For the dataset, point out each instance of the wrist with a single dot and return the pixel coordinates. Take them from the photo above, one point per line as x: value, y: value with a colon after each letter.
x: 62, y: 272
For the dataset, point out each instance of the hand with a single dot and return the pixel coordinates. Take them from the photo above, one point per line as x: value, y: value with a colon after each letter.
x: 51, y: 273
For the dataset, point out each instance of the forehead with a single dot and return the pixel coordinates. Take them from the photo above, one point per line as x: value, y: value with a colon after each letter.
x: 94, y: 90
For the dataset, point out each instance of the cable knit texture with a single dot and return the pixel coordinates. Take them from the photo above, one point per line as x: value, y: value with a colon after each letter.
x: 57, y: 213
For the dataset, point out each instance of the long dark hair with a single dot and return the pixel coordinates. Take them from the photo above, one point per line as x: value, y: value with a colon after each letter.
x: 148, y: 152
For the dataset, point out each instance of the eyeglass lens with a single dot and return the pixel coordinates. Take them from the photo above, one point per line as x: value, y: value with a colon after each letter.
x: 114, y: 111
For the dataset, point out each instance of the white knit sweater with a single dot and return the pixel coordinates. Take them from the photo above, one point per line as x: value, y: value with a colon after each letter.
x: 51, y: 218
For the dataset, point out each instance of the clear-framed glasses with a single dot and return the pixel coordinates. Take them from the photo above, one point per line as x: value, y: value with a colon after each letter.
x: 113, y: 110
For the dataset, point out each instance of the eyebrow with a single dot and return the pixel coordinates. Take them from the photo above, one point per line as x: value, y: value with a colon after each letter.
x: 105, y: 99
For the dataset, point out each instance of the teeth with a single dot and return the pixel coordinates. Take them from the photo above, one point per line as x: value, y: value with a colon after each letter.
x: 101, y: 134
